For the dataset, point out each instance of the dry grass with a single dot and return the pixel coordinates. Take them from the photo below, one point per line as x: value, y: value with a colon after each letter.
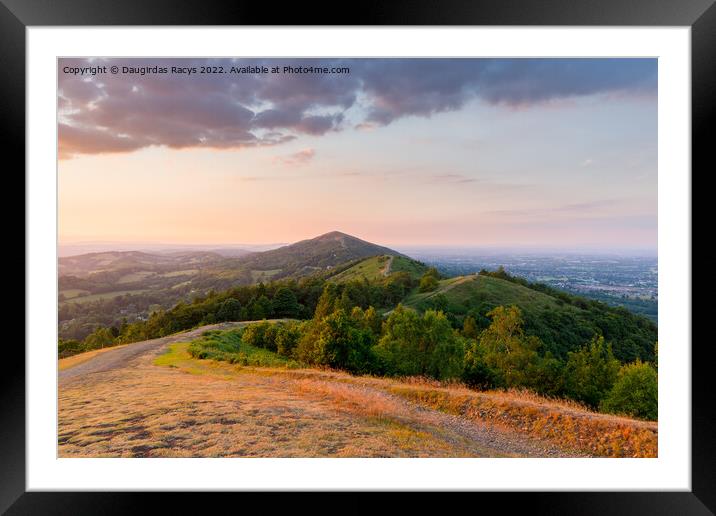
x: 562, y: 422
x: 172, y: 405
x: 192, y: 408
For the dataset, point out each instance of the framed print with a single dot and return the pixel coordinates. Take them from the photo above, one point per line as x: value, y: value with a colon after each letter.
x: 440, y: 249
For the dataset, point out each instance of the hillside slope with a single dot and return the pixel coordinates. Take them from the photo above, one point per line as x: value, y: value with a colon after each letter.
x: 562, y: 326
x: 378, y: 267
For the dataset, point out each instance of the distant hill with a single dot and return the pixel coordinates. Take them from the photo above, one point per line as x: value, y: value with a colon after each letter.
x: 313, y: 255
x: 133, y: 261
x: 564, y: 323
x: 132, y: 283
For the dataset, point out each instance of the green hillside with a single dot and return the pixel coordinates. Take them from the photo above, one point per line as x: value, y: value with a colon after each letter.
x: 379, y: 267
x: 564, y: 323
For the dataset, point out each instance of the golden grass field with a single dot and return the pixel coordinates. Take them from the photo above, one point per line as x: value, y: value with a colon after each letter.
x: 160, y: 402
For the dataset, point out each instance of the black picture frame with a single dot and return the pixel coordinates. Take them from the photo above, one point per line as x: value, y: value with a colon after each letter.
x: 700, y: 15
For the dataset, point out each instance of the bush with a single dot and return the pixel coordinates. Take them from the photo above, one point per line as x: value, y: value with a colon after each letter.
x: 69, y: 347
x: 287, y: 336
x: 635, y: 392
x: 261, y: 335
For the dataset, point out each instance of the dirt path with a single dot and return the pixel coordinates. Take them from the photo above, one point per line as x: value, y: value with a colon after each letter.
x: 123, y: 356
x: 388, y: 265
x: 119, y: 404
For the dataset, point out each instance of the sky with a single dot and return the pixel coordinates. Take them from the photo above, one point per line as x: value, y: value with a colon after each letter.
x: 546, y: 153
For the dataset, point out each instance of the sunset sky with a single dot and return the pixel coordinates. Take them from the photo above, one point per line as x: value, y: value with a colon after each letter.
x: 456, y: 152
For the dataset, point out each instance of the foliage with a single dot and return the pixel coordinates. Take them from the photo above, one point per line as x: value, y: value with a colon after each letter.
x: 337, y: 340
x: 635, y: 392
x: 429, y: 280
x: 100, y: 338
x: 229, y: 310
x: 469, y: 328
x: 230, y: 346
x: 285, y: 303
x: 420, y: 345
x: 591, y: 372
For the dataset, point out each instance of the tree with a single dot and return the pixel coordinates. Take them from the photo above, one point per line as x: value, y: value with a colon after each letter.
x: 635, y: 392
x: 590, y: 373
x: 373, y: 321
x: 337, y: 340
x: 326, y: 302
x: 229, y: 310
x: 285, y: 303
x: 469, y: 328
x: 507, y: 351
x: 261, y: 308
x: 429, y: 280
x: 99, y: 338
x: 414, y: 345
x: 287, y: 336
x: 476, y: 372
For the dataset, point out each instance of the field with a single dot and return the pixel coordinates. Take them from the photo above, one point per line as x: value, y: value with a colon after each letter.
x: 71, y: 293
x: 104, y: 295
x: 152, y: 399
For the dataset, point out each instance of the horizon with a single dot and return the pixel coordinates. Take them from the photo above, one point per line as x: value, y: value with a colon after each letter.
x: 157, y: 246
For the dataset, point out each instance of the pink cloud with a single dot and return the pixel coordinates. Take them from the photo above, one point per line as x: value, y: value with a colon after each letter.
x: 297, y: 158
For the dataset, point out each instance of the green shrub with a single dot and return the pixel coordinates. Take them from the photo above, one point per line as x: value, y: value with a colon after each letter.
x: 69, y: 347
x: 635, y: 392
x: 287, y: 336
x: 258, y: 334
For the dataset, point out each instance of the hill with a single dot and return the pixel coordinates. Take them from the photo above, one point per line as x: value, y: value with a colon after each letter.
x: 106, y: 288
x: 378, y: 267
x: 133, y: 261
x: 563, y: 323
x: 316, y: 254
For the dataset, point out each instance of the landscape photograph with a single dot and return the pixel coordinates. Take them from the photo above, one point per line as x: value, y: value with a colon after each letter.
x: 357, y: 257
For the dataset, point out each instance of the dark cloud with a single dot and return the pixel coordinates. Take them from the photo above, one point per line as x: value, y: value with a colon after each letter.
x: 125, y: 112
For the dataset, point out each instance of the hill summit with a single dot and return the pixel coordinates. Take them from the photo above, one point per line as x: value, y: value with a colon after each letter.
x: 322, y: 252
